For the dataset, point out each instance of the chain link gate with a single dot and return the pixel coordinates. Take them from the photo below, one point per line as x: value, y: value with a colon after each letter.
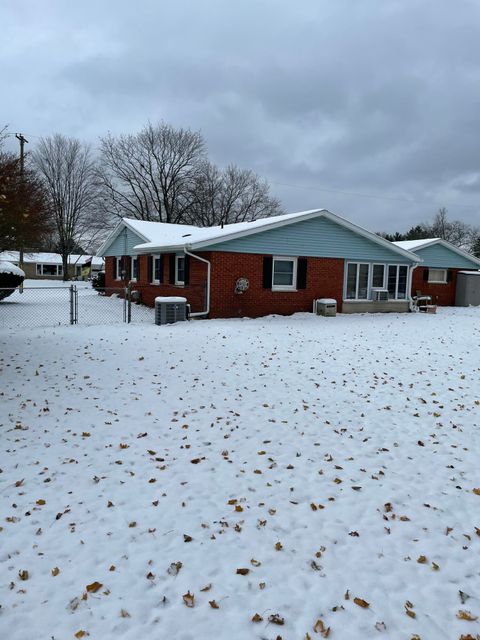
x: 79, y: 304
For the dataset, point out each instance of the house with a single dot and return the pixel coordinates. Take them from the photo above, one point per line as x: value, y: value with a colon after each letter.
x: 437, y: 274
x: 49, y: 266
x: 273, y: 265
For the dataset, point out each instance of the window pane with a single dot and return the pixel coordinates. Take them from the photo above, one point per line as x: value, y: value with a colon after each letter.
x: 39, y: 269
x: 437, y: 275
x: 156, y: 269
x: 363, y: 282
x: 402, y: 282
x: 377, y: 278
x: 60, y: 270
x: 283, y: 273
x: 180, y: 269
x: 351, y: 281
x: 392, y: 281
x: 49, y: 269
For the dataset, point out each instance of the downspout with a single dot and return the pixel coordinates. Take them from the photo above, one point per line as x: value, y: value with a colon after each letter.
x: 411, y: 305
x: 198, y: 314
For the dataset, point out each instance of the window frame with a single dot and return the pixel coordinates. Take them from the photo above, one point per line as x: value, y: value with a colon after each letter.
x: 118, y: 267
x: 178, y: 282
x: 134, y: 262
x: 285, y: 287
x: 444, y: 281
x: 156, y: 257
x: 386, y: 270
x: 40, y: 270
x: 378, y: 264
x: 357, y: 278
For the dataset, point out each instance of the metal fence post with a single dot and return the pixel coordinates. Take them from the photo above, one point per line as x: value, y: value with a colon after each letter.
x: 129, y: 305
x: 72, y: 303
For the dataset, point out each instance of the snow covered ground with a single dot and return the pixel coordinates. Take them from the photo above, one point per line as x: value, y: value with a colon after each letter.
x: 45, y: 303
x: 282, y: 476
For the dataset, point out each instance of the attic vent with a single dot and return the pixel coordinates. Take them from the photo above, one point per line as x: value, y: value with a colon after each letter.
x: 186, y: 235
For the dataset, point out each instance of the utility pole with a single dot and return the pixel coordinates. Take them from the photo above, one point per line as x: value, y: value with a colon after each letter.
x: 22, y: 140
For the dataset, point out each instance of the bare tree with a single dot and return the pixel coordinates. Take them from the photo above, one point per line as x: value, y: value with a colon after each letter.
x: 231, y: 195
x: 457, y: 232
x: 148, y: 175
x: 67, y: 171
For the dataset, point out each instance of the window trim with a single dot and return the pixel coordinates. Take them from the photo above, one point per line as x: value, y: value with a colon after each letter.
x: 118, y: 269
x: 155, y: 256
x: 378, y: 264
x: 357, y: 276
x: 285, y: 287
x: 386, y: 266
x: 444, y: 281
x: 134, y: 260
x: 41, y: 265
x: 179, y: 283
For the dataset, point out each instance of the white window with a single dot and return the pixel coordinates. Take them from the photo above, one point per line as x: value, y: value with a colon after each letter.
x: 135, y: 268
x: 49, y: 270
x: 397, y: 281
x: 118, y: 268
x: 378, y: 276
x: 437, y: 276
x: 156, y: 270
x: 284, y: 274
x: 357, y: 280
x: 179, y: 270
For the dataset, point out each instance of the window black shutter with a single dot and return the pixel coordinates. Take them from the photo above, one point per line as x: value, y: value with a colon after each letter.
x: 127, y: 266
x: 186, y: 279
x: 449, y: 275
x: 267, y: 272
x: 425, y: 275
x: 114, y: 267
x: 172, y: 269
x: 161, y: 268
x: 302, y: 273
x: 150, y: 268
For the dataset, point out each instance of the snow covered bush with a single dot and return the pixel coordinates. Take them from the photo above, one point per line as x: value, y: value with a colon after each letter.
x: 10, y: 278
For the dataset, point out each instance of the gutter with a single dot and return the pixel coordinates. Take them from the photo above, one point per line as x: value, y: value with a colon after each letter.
x: 411, y: 305
x: 198, y: 314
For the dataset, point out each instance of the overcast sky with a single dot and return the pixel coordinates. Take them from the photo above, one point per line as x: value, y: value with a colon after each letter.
x: 372, y: 98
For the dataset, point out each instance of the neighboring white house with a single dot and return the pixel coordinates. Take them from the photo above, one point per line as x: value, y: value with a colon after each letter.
x: 49, y: 265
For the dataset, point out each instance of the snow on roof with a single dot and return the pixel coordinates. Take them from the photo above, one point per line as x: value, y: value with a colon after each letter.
x: 49, y: 258
x: 177, y: 235
x: 471, y: 273
x: 167, y: 237
x: 411, y: 245
x: 9, y: 267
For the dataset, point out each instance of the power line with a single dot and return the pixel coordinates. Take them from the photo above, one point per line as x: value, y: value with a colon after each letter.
x: 373, y: 197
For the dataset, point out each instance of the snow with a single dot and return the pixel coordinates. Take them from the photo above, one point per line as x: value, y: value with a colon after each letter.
x: 330, y: 458
x: 170, y: 299
x: 327, y: 300
x: 411, y: 245
x: 50, y: 258
x: 46, y: 303
x: 471, y: 273
x: 8, y: 267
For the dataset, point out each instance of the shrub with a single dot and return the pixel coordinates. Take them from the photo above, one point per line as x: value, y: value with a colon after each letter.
x: 98, y: 281
x: 10, y: 278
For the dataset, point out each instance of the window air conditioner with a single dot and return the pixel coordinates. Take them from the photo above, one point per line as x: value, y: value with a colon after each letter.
x: 379, y: 295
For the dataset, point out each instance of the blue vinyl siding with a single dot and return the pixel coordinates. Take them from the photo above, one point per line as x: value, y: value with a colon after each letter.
x: 439, y: 256
x: 124, y: 243
x: 318, y: 237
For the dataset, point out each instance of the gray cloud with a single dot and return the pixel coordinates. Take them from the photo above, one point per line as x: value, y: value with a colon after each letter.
x: 376, y: 97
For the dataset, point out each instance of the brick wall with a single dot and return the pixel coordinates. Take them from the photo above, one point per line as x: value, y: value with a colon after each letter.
x: 442, y: 294
x: 324, y: 280
x: 194, y: 291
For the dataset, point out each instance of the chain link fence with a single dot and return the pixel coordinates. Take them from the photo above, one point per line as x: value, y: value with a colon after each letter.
x: 50, y: 306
